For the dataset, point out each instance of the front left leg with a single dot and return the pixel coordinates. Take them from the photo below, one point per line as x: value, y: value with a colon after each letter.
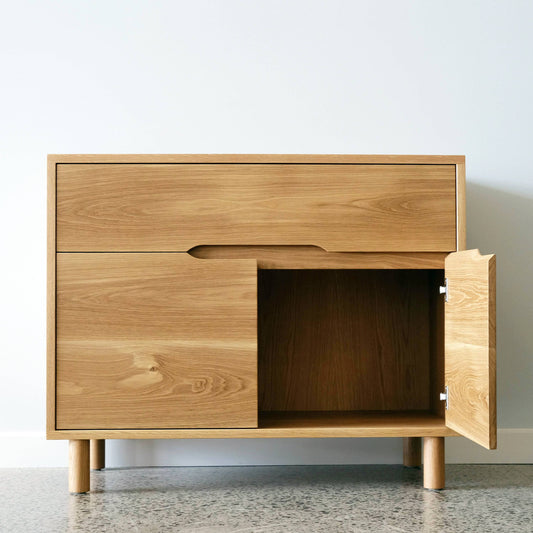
x: 78, y: 466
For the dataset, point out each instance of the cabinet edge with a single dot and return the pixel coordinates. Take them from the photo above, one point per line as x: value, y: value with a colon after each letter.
x: 51, y: 296
x: 261, y: 158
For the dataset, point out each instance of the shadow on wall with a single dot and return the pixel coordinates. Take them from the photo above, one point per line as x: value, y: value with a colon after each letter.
x: 502, y: 223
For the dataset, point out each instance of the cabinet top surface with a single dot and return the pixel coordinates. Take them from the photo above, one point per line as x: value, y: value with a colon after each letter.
x: 259, y: 158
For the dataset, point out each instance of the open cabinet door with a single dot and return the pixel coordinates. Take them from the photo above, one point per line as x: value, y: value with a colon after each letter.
x: 470, y: 345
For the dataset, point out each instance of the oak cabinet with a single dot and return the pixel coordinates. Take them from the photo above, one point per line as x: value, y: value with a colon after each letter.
x: 266, y: 296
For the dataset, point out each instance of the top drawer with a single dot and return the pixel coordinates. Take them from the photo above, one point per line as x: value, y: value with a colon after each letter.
x: 175, y: 207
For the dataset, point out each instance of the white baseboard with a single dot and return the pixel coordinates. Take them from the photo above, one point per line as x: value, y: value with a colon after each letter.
x: 30, y: 449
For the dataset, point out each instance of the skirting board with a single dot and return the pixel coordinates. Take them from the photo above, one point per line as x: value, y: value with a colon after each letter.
x: 30, y: 449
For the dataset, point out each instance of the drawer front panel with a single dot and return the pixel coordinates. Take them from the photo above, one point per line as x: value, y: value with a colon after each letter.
x: 155, y: 340
x: 175, y: 207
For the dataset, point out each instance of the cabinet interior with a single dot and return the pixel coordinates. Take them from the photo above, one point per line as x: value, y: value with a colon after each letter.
x: 340, y: 346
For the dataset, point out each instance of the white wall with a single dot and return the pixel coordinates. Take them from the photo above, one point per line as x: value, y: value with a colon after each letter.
x: 301, y: 76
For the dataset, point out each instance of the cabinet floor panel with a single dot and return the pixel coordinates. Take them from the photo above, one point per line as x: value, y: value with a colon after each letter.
x: 360, y: 420
x: 298, y: 424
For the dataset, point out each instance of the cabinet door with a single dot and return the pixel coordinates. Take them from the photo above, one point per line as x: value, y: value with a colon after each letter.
x: 155, y: 340
x: 470, y: 346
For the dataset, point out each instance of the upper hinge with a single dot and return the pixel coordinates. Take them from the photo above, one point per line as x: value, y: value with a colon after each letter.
x: 443, y: 289
x: 444, y: 396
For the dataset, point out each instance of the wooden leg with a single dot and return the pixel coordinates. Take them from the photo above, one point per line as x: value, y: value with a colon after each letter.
x: 97, y: 454
x: 78, y: 466
x: 434, y: 463
x: 412, y: 452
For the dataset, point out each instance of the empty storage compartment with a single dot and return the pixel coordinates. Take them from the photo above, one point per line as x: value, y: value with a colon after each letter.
x: 344, y: 347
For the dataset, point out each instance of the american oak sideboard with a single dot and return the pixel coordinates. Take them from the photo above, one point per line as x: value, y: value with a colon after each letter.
x: 266, y: 296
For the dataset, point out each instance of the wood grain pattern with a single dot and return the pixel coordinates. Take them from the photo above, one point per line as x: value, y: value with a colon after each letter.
x: 155, y: 341
x: 162, y: 207
x: 470, y: 346
x: 51, y: 298
x: 115, y: 333
x: 296, y: 425
x: 343, y: 340
x: 79, y: 475
x: 383, y: 159
x: 313, y: 257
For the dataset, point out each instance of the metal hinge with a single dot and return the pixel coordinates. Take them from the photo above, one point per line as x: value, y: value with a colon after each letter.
x: 443, y: 289
x: 444, y: 396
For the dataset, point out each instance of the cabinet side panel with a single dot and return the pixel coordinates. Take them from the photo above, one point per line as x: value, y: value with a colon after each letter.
x: 51, y: 297
x: 460, y: 185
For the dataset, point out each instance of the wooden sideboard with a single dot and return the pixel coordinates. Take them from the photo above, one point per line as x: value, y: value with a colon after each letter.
x: 266, y: 296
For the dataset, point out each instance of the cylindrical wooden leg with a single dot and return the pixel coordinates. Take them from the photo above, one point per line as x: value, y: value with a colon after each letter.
x: 97, y: 454
x: 412, y: 452
x: 78, y: 466
x: 434, y: 462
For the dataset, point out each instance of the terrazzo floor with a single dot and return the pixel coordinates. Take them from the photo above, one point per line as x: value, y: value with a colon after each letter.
x: 478, y: 498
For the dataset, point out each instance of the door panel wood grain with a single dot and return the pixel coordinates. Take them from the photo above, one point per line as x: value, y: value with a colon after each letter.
x: 176, y: 207
x: 155, y: 340
x: 470, y: 345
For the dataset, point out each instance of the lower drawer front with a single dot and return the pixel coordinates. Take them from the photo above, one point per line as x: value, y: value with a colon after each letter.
x: 175, y: 207
x: 155, y: 341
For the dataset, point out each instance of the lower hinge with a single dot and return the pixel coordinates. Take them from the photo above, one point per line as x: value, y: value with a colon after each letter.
x: 444, y: 396
x: 443, y: 289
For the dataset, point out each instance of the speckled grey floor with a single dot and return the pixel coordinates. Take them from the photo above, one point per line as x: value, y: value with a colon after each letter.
x: 478, y: 498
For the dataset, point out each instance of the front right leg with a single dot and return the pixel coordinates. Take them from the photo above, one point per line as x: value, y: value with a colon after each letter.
x: 434, y: 463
